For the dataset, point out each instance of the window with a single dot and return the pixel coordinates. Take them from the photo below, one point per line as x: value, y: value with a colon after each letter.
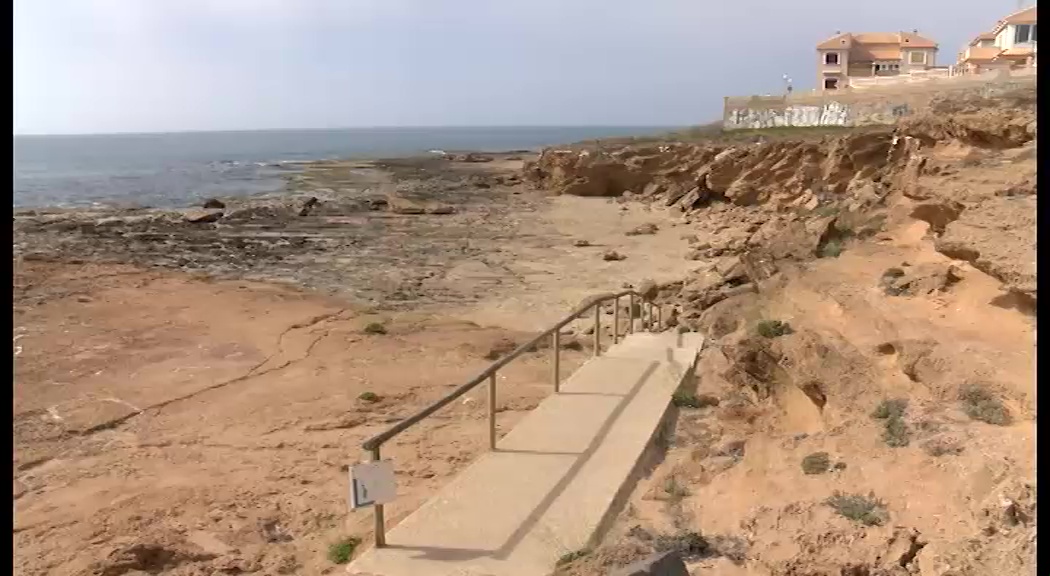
x: 916, y: 57
x: 831, y: 58
x: 831, y: 83
x: 1033, y: 32
x: 1022, y: 33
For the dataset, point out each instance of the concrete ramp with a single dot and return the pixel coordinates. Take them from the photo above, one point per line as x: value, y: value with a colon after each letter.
x: 555, y: 481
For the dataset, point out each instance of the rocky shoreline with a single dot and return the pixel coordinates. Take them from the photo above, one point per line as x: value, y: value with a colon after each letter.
x: 863, y: 404
x: 375, y: 232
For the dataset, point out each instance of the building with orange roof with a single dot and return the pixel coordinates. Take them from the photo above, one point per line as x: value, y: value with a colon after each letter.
x: 1010, y: 44
x: 871, y: 54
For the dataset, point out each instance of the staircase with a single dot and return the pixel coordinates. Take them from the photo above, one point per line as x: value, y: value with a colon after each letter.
x: 555, y: 482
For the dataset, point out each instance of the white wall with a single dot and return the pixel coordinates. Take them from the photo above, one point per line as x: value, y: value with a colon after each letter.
x: 1005, y: 38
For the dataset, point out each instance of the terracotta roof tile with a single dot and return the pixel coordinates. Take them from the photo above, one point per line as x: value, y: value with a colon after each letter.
x: 916, y: 41
x: 840, y: 41
x: 877, y: 38
x: 880, y: 41
x: 1026, y: 16
x: 861, y: 52
x: 982, y: 54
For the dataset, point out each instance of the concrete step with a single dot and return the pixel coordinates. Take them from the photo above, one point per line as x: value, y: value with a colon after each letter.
x: 686, y: 341
x: 554, y: 482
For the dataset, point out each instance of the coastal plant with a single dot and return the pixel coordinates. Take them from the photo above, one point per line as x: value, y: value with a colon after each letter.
x: 890, y: 408
x: 674, y: 490
x: 375, y: 328
x: 868, y: 510
x: 773, y: 328
x: 816, y: 463
x: 683, y: 399
x: 370, y: 397
x: 981, y: 404
x: 896, y: 432
x: 340, y: 552
x: 571, y: 557
x: 688, y: 543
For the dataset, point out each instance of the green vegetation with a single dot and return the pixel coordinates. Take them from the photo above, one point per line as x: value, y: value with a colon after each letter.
x: 340, y: 552
x: 980, y: 404
x: 688, y: 544
x: 375, y: 328
x: 773, y: 328
x: 674, y: 490
x: 816, y: 463
x: 892, y: 408
x: 369, y: 397
x: 713, y: 132
x: 867, y: 510
x: 572, y: 557
x: 683, y: 399
x: 896, y: 432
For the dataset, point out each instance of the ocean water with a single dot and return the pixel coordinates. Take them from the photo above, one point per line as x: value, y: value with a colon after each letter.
x: 180, y: 169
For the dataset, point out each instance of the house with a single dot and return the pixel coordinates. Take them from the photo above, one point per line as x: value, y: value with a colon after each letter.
x: 871, y: 54
x: 1010, y: 44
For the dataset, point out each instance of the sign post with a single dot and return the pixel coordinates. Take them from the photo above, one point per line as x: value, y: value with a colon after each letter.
x: 372, y: 483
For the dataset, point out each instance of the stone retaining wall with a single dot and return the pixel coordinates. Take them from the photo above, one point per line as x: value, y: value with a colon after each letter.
x: 876, y: 105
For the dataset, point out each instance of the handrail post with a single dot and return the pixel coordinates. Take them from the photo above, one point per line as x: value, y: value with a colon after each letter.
x: 616, y: 320
x: 659, y: 317
x: 597, y: 329
x: 377, y: 512
x: 556, y: 345
x: 630, y: 313
x: 492, y: 411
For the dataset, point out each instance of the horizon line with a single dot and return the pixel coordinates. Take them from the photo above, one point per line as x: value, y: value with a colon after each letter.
x: 381, y: 127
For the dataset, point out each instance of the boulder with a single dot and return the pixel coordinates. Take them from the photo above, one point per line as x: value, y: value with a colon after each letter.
x: 661, y: 564
x: 643, y: 229
x: 196, y: 216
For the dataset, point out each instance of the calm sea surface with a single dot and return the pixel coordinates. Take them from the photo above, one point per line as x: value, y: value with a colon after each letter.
x: 170, y: 170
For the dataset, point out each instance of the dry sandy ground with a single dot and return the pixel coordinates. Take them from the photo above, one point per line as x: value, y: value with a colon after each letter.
x: 960, y: 497
x: 165, y: 421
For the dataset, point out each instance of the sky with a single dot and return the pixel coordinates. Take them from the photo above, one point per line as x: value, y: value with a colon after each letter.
x: 105, y: 66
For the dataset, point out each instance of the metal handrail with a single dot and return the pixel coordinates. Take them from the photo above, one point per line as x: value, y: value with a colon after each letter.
x: 373, y: 444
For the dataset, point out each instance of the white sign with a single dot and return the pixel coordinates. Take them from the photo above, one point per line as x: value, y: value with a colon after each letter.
x: 372, y: 483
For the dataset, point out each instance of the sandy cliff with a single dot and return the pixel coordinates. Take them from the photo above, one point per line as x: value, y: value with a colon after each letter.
x: 866, y: 404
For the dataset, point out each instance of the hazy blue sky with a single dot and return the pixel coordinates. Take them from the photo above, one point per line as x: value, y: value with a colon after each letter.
x: 86, y: 66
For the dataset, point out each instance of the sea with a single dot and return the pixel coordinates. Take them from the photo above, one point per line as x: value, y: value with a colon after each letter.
x: 173, y: 170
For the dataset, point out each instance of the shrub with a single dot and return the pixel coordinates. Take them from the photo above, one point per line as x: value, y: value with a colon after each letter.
x: 980, y: 404
x: 816, y: 463
x: 369, y: 397
x: 867, y: 510
x: 897, y: 434
x: 938, y: 447
x: 341, y: 551
x: 689, y: 544
x: 685, y: 400
x: 893, y: 408
x: 375, y: 328
x: 773, y: 328
x: 675, y: 490
x: 571, y: 557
